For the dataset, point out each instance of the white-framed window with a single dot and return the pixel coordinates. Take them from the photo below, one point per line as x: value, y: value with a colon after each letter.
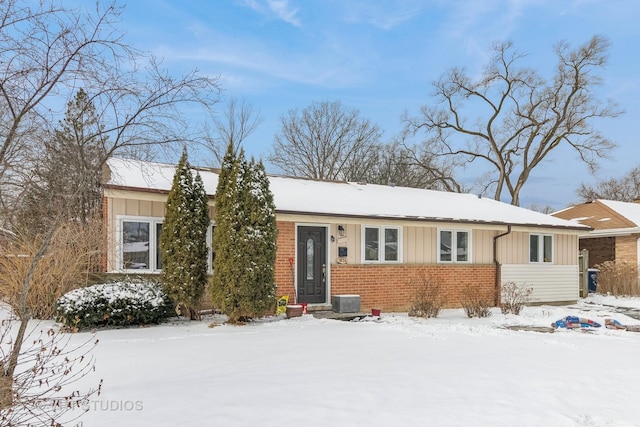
x: 138, y: 244
x: 540, y: 248
x: 454, y: 245
x: 381, y: 244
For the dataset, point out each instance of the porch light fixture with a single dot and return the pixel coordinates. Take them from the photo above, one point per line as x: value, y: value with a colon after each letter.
x: 340, y: 230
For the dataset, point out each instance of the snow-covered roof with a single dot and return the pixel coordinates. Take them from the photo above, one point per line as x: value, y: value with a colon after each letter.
x: 298, y: 195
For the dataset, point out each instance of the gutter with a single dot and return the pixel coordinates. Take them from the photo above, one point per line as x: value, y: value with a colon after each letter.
x: 498, y: 275
x: 611, y: 232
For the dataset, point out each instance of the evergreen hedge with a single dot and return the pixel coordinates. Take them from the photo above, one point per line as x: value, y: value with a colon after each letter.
x: 131, y: 301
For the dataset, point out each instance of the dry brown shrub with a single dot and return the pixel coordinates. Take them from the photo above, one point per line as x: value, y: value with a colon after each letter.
x: 428, y: 298
x: 618, y: 278
x: 514, y: 297
x: 475, y: 304
x: 68, y: 263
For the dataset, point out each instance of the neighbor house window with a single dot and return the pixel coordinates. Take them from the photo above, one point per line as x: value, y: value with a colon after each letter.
x: 139, y: 244
x: 454, y: 246
x: 381, y: 244
x: 540, y: 248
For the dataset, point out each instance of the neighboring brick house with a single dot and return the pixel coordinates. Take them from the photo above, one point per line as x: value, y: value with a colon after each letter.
x: 616, y: 230
x: 339, y: 238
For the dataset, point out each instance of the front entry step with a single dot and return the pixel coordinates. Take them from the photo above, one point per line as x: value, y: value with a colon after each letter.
x: 318, y: 307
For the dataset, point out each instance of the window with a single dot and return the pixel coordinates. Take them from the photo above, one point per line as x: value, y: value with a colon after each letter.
x: 139, y: 244
x: 454, y: 246
x: 381, y: 244
x: 212, y: 254
x: 540, y: 248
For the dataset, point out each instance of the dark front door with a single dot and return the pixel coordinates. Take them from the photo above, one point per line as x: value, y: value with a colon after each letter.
x: 312, y: 264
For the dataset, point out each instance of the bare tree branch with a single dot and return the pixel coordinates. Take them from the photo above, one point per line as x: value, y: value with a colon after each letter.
x: 48, y: 51
x: 623, y: 189
x: 325, y: 141
x: 238, y: 123
x: 521, y: 118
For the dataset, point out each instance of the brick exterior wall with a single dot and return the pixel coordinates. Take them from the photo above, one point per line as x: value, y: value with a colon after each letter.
x: 600, y: 250
x: 285, y: 256
x: 387, y: 287
x: 391, y: 287
x: 627, y: 249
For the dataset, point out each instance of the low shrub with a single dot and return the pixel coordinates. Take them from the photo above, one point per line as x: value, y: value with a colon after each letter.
x: 127, y: 302
x: 618, y: 278
x: 514, y: 297
x: 427, y: 299
x: 475, y: 304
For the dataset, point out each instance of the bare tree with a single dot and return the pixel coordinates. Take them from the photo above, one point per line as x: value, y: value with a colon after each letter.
x: 49, y: 50
x: 325, y: 141
x: 623, y: 189
x: 520, y: 118
x: 239, y: 122
x: 396, y: 164
x: 545, y: 209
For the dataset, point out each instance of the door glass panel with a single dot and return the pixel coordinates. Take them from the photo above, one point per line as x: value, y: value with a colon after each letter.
x: 310, y: 250
x: 135, y: 245
x: 371, y: 244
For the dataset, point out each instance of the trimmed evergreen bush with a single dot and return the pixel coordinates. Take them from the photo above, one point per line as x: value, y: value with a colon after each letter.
x: 244, y: 240
x: 183, y: 242
x: 124, y: 303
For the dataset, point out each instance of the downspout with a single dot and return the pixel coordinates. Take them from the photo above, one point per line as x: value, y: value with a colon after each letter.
x: 498, y: 275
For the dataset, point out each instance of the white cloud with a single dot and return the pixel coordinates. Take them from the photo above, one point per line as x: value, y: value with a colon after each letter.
x: 281, y: 9
x: 383, y: 15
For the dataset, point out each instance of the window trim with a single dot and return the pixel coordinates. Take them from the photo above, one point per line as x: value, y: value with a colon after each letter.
x: 381, y: 243
x: 454, y: 249
x: 541, y: 237
x: 153, y: 243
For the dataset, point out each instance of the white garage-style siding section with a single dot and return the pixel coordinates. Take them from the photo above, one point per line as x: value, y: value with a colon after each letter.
x: 550, y: 283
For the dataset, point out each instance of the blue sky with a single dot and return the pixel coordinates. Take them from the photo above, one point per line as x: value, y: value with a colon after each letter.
x: 381, y: 57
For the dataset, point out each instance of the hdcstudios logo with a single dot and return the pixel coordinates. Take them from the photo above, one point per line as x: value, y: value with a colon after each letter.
x: 115, y: 405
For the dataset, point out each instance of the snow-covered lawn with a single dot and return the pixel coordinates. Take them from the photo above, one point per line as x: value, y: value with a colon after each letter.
x: 448, y: 371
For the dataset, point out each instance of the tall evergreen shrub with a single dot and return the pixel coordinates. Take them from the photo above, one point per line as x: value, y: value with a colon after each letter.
x: 183, y: 241
x: 242, y: 285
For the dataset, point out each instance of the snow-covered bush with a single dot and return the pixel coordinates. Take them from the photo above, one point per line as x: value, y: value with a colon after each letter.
x: 123, y: 303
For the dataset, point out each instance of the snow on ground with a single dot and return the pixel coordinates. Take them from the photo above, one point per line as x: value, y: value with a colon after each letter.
x: 448, y: 371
